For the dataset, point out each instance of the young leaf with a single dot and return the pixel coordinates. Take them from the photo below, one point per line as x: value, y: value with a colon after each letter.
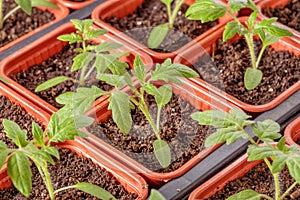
x: 228, y: 135
x: 3, y: 153
x: 107, y: 46
x: 246, y: 194
x: 119, y: 103
x: 278, y: 31
x: 156, y: 195
x: 14, y: 132
x: 162, y: 152
x: 94, y: 33
x: 261, y: 152
x: 25, y: 5
x: 38, y: 134
x: 231, y: 29
x: 268, y: 39
x: 139, y: 70
x: 150, y: 89
x: 43, y: 3
x: 94, y: 190
x: 252, y: 78
x: 267, y: 130
x: 52, y: 151
x: 81, y: 60
x: 165, y: 92
x: 82, y: 121
x: 293, y: 163
x: 71, y: 38
x: 237, y: 5
x: 20, y: 173
x: 53, y: 125
x: 214, y: 118
x: 184, y: 71
x: 82, y: 25
x: 199, y: 11
x: 51, y: 83
x: 112, y: 79
x: 157, y: 35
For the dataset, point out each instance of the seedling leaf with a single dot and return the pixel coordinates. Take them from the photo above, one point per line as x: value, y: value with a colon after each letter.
x: 157, y: 35
x: 107, y: 46
x: 267, y: 130
x: 43, y: 3
x: 245, y: 194
x: 94, y: 190
x: 162, y: 152
x: 252, y: 78
x: 139, y: 70
x: 94, y: 33
x: 81, y: 60
x: 71, y: 38
x: 156, y: 195
x: 38, y: 134
x: 20, y: 173
x: 165, y: 92
x: 14, y: 132
x: 231, y: 29
x: 51, y: 83
x: 25, y: 5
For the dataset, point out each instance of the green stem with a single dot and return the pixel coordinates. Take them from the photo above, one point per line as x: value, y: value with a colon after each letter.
x: 64, y: 188
x: 288, y: 190
x: 1, y: 14
x: 158, y: 116
x: 10, y: 13
x: 260, y: 55
x: 47, y: 180
x: 266, y: 197
x: 249, y: 41
x: 89, y: 72
x: 276, y: 179
x: 174, y: 14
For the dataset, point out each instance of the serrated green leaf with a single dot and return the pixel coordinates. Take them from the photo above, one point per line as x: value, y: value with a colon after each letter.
x: 82, y: 121
x: 238, y: 113
x: 71, y: 38
x: 278, y: 31
x: 245, y: 194
x: 81, y: 60
x: 94, y: 33
x: 139, y: 70
x: 252, y: 78
x: 107, y: 46
x: 206, y: 10
x: 278, y: 164
x: 104, y: 61
x: 20, y: 173
x: 38, y: 134
x: 231, y: 29
x: 184, y: 71
x: 52, y: 125
x: 268, y: 39
x: 293, y: 163
x: 162, y: 152
x: 3, y: 146
x: 157, y: 35
x: 251, y: 20
x: 112, y: 79
x: 51, y: 83
x: 39, y: 154
x: 261, y: 152
x: 237, y: 5
x: 150, y: 89
x: 82, y: 25
x: 101, y: 64
x: 25, y: 5
x: 215, y: 118
x: 65, y: 98
x: 218, y: 136
x: 3, y: 153
x: 94, y: 190
x: 267, y: 130
x: 281, y: 145
x: 43, y: 3
x: 119, y: 103
x: 14, y: 132
x: 52, y: 151
x: 118, y: 67
x: 156, y: 195
x: 165, y: 96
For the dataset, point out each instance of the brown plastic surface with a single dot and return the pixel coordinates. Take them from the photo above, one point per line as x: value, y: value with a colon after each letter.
x: 131, y: 182
x: 205, y: 47
x: 43, y: 49
x: 292, y: 132
x: 121, y: 8
x: 198, y: 97
x: 75, y: 5
x: 59, y: 14
x: 275, y: 3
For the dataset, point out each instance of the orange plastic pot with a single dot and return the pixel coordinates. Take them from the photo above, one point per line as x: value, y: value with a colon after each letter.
x: 205, y: 47
x: 58, y: 13
x: 272, y: 4
x: 292, y: 132
x: 44, y: 48
x: 40, y: 115
x: 199, y: 98
x: 120, y: 8
x: 75, y: 5
x: 233, y: 171
x: 130, y: 181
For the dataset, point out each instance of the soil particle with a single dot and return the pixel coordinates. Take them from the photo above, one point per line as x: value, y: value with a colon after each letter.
x: 70, y: 169
x: 152, y: 13
x: 20, y: 23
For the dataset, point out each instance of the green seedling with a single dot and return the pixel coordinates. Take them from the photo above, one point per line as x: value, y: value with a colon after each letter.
x: 156, y: 195
x: 40, y: 152
x: 158, y: 33
x: 26, y: 6
x: 230, y: 127
x: 121, y: 103
x: 90, y: 57
x: 268, y: 33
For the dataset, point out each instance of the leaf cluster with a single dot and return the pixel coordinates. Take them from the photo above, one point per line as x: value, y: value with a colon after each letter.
x: 230, y: 127
x: 90, y: 56
x: 268, y: 32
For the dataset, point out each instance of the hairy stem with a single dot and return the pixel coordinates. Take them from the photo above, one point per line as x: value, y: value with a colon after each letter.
x: 288, y: 190
x: 249, y: 41
x: 174, y: 14
x: 64, y: 188
x: 261, y: 52
x: 276, y: 179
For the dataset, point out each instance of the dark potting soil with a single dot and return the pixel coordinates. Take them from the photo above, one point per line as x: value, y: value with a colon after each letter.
x: 298, y: 141
x: 20, y: 23
x: 184, y: 135
x: 261, y: 180
x: 58, y: 65
x: 69, y: 170
x: 281, y: 69
x: 152, y: 13
x: 14, y: 112
x: 288, y: 15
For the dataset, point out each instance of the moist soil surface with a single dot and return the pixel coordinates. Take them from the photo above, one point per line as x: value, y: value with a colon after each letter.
x: 281, y: 69
x: 288, y: 15
x: 183, y: 134
x: 58, y: 65
x: 152, y: 13
x: 14, y: 112
x: 69, y: 170
x: 261, y: 180
x: 20, y: 23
